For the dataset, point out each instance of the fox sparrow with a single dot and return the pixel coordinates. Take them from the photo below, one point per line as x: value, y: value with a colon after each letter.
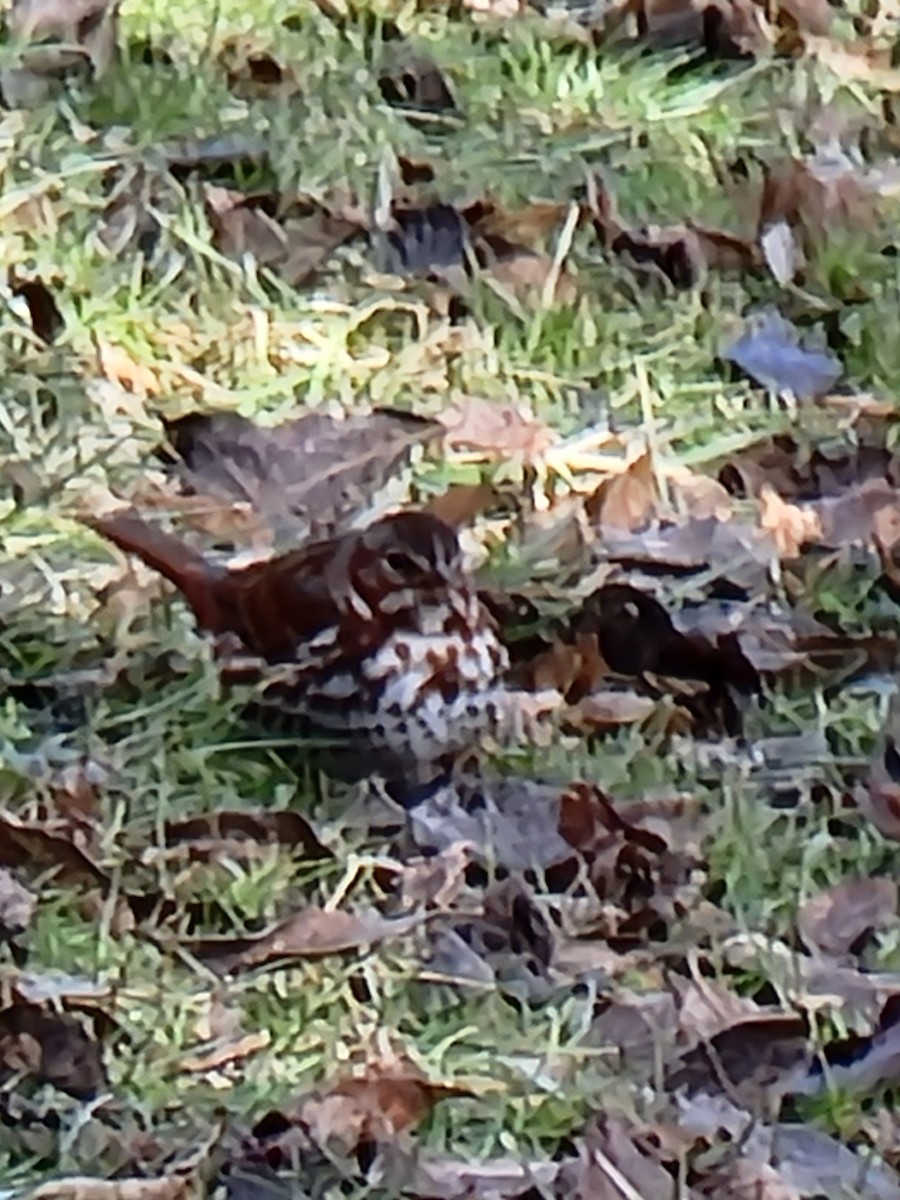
x: 375, y: 634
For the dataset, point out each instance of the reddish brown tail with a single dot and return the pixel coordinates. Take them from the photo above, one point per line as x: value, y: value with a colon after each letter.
x: 195, y: 577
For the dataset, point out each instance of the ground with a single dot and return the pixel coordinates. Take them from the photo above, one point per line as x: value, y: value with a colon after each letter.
x: 181, y: 322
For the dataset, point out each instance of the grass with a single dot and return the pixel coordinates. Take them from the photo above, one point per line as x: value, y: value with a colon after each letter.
x: 538, y: 114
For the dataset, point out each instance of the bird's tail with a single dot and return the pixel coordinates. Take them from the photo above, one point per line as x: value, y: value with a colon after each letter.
x: 194, y: 576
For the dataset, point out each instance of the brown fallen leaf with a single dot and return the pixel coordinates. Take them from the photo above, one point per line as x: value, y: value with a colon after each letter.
x: 438, y: 240
x: 608, y: 710
x: 306, y: 475
x: 17, y: 905
x: 203, y: 835
x: 499, y: 430
x: 379, y: 1103
x: 294, y: 239
x: 528, y: 273
x: 722, y: 27
x: 461, y: 503
x: 861, y: 61
x: 310, y: 933
x: 510, y: 945
x: 802, y: 470
x: 39, y: 19
x: 45, y: 846
x: 878, y: 797
x: 90, y: 26
x: 253, y: 71
x: 573, y: 667
x: 861, y: 514
x: 433, y: 882
x: 745, y: 1178
x: 485, y: 1179
x: 630, y: 500
x: 224, y: 1051
x: 528, y: 225
x: 659, y: 841
x: 791, y: 526
x: 85, y: 1187
x: 117, y: 365
x: 805, y: 199
x: 388, y: 1099
x: 835, y: 920
x: 755, y: 1062
x: 52, y: 1047
x: 414, y: 82
x: 618, y: 1159
x: 46, y: 319
x: 680, y: 253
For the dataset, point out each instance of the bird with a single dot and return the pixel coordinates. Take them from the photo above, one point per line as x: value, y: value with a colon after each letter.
x: 375, y: 636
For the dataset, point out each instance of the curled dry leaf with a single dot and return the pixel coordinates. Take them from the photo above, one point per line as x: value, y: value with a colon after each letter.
x: 755, y: 1062
x: 213, y: 834
x: 490, y: 1179
x: 706, y: 1007
x: 500, y: 430
x: 224, y: 1051
x: 85, y: 1187
x: 660, y: 843
x: 461, y: 503
x: 512, y: 823
x: 308, y: 475
x: 805, y: 198
x: 528, y: 273
x: 43, y: 846
x: 860, y: 61
x: 39, y: 19
x: 618, y: 1159
x: 117, y: 365
x: 602, y: 712
x: 867, y: 513
x: 90, y: 25
x: 310, y: 933
x: 801, y: 470
x: 46, y: 319
x: 437, y: 881
x: 879, y: 797
x: 835, y: 920
x: 386, y: 1100
x: 52, y: 1047
x: 630, y: 500
x: 439, y: 239
x: 509, y: 946
x: 637, y: 636
x: 791, y: 526
x: 294, y: 239
x: 253, y: 71
x: 413, y: 82
x: 17, y: 905
x: 681, y: 254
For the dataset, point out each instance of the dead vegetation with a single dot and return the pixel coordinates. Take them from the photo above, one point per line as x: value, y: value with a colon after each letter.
x: 612, y: 290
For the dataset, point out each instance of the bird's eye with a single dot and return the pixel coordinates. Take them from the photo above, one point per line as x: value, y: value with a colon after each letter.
x: 400, y: 562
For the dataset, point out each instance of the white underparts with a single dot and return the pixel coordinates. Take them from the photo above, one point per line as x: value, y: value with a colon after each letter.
x: 433, y: 689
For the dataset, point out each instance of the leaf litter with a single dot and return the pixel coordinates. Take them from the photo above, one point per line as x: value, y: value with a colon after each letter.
x: 663, y: 919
